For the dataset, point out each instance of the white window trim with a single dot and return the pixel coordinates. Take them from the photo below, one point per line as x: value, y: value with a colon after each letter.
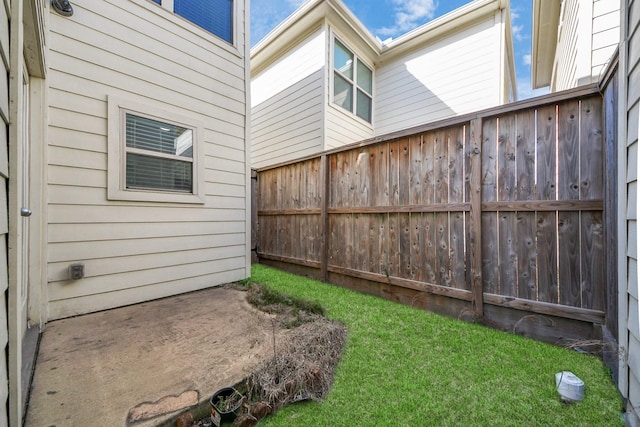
x: 355, y: 86
x: 116, y: 182
x: 167, y: 6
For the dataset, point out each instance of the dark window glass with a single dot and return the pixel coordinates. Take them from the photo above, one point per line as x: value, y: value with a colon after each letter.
x: 215, y: 16
x: 160, y: 155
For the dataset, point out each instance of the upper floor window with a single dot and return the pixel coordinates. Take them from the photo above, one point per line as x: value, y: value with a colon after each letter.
x: 352, y: 82
x: 215, y: 16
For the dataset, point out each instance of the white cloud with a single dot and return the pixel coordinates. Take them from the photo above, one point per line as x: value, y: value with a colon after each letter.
x: 270, y: 13
x: 517, y: 32
x: 525, y: 91
x: 296, y: 3
x: 409, y: 14
x: 526, y: 59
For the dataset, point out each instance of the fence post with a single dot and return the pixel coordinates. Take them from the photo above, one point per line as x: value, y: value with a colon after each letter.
x: 475, y: 217
x: 324, y: 218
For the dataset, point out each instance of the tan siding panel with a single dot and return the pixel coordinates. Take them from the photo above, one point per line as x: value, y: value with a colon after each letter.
x: 4, y: 35
x: 634, y: 390
x: 633, y: 320
x: 632, y: 200
x: 4, y: 202
x: 344, y: 128
x: 64, y: 175
x: 75, y: 251
x: 634, y: 50
x: 85, y: 304
x: 66, y: 233
x: 632, y: 244
x: 4, y: 143
x: 59, y: 272
x: 632, y: 123
x: 634, y: 85
x: 289, y: 124
x: 117, y: 282
x: 4, y: 93
x: 632, y: 278
x: 65, y: 214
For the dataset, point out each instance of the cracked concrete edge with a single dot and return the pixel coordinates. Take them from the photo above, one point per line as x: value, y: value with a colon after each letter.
x: 148, y: 410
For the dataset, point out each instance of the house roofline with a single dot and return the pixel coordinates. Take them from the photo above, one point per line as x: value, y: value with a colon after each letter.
x: 442, y: 25
x: 299, y: 23
x: 546, y: 20
x: 311, y: 13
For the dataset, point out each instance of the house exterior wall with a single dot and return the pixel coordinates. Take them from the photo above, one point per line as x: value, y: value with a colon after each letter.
x: 588, y: 35
x: 4, y: 174
x: 287, y: 106
x: 629, y: 319
x: 134, y: 251
x: 437, y: 81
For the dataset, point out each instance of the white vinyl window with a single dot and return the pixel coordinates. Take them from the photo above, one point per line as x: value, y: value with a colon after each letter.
x: 352, y: 82
x: 153, y: 155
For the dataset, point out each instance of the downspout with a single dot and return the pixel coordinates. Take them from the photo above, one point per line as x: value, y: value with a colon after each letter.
x: 247, y: 136
x: 16, y: 66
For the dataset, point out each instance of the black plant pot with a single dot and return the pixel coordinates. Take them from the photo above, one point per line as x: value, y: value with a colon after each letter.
x: 225, y: 405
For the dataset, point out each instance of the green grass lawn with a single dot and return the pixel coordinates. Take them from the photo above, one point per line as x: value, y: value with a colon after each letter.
x: 406, y: 367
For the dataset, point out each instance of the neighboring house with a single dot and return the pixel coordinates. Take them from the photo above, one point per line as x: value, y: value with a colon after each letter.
x: 320, y: 80
x: 573, y: 44
x: 127, y: 126
x: 628, y: 160
x: 573, y: 41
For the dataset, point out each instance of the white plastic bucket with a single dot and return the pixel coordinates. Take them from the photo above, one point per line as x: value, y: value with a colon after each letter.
x: 570, y: 387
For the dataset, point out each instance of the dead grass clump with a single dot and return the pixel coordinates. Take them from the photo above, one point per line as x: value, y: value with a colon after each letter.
x: 303, y: 369
x: 291, y: 312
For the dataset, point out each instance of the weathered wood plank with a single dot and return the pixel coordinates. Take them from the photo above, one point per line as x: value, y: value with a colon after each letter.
x: 428, y: 169
x: 322, y: 225
x: 476, y: 222
x: 568, y: 151
x: 591, y: 149
x: 415, y: 172
x: 548, y: 206
x: 546, y: 146
x: 443, y: 254
x: 569, y: 258
x: 441, y: 172
x: 404, y: 221
x: 379, y: 163
x: 525, y: 155
x: 456, y: 151
x: 404, y: 170
x: 507, y: 254
x: 507, y: 158
x: 429, y: 253
x: 457, y: 251
x: 393, y: 263
x: 546, y: 237
x: 394, y: 173
x: 362, y: 178
x: 527, y: 255
x: 417, y: 246
x: 489, y: 162
x: 592, y: 259
x: 361, y: 241
x: 440, y: 207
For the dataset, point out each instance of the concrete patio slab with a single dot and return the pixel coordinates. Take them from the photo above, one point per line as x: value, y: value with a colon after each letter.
x: 143, y: 364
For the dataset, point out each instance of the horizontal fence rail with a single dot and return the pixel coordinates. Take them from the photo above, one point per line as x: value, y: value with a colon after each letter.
x: 497, y: 217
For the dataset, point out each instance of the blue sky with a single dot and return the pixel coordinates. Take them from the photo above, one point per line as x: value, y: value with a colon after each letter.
x: 392, y: 18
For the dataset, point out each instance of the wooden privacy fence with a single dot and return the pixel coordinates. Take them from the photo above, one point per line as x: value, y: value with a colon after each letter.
x: 496, y: 216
